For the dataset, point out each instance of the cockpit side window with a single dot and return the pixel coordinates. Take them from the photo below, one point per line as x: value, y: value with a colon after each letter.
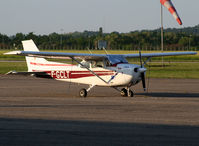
x: 85, y: 64
x: 107, y: 63
x: 98, y: 63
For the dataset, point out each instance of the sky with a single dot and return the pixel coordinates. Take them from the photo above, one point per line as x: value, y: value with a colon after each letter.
x: 64, y: 16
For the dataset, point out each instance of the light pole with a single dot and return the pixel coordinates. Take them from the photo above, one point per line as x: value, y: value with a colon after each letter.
x: 189, y: 42
x: 162, y: 34
x: 61, y: 38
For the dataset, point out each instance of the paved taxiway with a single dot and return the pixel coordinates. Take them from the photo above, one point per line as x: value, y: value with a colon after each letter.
x: 46, y: 112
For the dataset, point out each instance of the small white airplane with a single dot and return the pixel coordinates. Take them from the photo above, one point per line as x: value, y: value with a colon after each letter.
x: 93, y: 69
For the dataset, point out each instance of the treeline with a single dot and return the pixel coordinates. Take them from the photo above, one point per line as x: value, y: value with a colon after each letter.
x: 174, y: 39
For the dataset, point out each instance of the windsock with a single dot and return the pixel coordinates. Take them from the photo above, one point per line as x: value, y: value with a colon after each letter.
x: 168, y: 4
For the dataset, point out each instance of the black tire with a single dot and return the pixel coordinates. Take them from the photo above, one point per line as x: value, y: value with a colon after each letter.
x: 131, y: 94
x: 83, y: 93
x: 124, y: 92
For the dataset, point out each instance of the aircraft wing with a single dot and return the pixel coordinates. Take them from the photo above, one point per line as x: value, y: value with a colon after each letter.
x: 158, y: 54
x: 60, y: 55
x: 57, y: 55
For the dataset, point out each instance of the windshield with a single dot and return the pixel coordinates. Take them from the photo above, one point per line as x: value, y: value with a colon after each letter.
x: 114, y: 59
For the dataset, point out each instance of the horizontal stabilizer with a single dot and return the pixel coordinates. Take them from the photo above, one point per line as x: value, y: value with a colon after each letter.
x: 37, y: 74
x: 13, y: 53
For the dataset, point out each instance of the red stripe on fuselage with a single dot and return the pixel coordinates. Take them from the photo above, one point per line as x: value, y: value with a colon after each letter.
x: 81, y: 74
x: 41, y: 64
x: 76, y: 74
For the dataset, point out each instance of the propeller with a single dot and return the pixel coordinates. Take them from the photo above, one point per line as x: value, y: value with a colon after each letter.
x: 142, y: 71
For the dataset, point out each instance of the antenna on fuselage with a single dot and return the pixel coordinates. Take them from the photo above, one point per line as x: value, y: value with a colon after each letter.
x: 105, y: 51
x: 89, y: 51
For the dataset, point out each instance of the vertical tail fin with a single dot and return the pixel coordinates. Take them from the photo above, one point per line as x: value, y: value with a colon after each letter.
x: 29, y: 45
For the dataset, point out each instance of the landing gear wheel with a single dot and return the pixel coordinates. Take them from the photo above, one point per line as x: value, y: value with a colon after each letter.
x: 83, y: 93
x: 124, y: 92
x: 131, y: 94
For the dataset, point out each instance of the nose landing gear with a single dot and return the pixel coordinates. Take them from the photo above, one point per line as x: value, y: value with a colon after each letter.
x: 126, y: 92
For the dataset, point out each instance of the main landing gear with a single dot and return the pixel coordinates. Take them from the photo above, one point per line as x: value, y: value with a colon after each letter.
x: 126, y: 92
x: 83, y: 92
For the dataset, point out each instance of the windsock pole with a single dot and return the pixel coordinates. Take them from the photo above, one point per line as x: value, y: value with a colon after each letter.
x: 162, y: 35
x: 168, y: 4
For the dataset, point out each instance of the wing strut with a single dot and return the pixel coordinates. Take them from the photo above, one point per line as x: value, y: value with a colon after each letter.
x: 90, y: 70
x: 148, y: 59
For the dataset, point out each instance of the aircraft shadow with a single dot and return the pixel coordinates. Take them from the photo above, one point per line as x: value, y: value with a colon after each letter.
x: 172, y: 95
x: 67, y: 132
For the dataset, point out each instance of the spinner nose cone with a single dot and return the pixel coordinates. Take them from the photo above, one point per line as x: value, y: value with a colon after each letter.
x: 142, y: 70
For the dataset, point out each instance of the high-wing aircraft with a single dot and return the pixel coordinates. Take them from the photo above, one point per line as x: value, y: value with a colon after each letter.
x: 91, y: 69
